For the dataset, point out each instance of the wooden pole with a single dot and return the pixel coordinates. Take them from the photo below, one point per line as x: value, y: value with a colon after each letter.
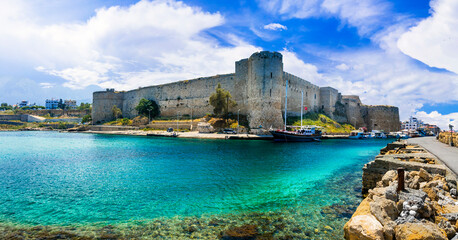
x: 400, y: 179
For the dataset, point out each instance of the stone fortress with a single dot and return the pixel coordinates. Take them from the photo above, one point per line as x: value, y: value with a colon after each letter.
x: 258, y: 87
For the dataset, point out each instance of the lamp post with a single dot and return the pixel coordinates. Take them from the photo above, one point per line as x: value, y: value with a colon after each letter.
x: 451, y: 134
x: 238, y: 120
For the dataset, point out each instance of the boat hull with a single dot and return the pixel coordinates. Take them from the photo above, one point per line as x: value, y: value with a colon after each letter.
x: 291, y: 137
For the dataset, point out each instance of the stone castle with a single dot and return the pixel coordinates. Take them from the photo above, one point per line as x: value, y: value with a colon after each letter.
x: 258, y: 87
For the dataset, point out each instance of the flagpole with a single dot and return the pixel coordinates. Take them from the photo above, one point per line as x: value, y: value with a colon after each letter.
x: 302, y: 105
x: 286, y: 100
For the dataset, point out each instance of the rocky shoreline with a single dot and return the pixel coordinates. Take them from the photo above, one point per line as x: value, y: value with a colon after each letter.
x: 425, y: 208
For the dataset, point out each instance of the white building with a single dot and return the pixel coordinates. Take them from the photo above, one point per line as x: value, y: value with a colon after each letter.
x: 52, y: 103
x: 412, y: 124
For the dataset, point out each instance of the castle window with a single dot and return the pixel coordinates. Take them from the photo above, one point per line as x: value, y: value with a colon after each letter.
x: 271, y: 75
x: 271, y: 92
x: 315, y: 95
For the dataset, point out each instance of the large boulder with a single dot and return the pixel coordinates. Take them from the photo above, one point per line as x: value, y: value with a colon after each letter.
x: 363, y: 227
x: 425, y: 175
x: 419, y: 231
x: 384, y: 210
x: 389, y: 177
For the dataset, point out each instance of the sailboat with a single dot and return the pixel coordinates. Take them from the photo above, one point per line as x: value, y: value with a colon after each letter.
x: 302, y: 134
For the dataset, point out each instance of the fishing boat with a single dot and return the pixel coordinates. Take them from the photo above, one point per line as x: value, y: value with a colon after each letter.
x: 302, y: 133
x: 378, y: 134
x: 357, y: 135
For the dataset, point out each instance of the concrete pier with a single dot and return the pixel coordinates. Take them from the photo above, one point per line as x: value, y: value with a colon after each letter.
x: 448, y: 155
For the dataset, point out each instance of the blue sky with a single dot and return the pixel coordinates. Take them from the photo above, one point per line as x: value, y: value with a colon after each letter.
x: 394, y: 52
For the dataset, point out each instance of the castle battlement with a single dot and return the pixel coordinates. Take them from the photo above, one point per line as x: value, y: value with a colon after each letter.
x: 258, y: 87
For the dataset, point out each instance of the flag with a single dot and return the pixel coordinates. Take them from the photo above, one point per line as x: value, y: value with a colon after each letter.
x: 305, y: 108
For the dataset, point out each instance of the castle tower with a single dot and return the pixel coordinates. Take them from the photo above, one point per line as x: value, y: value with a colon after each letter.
x: 264, y: 86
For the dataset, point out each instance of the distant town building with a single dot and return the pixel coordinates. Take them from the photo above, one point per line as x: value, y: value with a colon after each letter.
x: 70, y: 104
x: 52, y: 103
x: 412, y: 124
x: 23, y: 103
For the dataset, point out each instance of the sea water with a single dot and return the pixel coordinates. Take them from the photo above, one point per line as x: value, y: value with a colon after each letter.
x: 75, y: 179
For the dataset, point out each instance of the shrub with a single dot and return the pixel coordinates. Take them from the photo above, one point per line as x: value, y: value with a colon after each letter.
x: 86, y: 118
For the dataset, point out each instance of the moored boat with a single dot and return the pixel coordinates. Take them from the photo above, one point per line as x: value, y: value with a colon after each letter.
x: 304, y: 134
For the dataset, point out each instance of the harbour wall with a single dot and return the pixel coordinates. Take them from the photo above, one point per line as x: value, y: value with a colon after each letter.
x: 258, y: 87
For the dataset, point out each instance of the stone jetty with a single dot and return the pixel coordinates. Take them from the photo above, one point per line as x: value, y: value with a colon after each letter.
x: 425, y: 208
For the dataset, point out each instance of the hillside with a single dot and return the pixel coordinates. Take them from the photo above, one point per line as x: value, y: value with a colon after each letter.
x: 318, y: 119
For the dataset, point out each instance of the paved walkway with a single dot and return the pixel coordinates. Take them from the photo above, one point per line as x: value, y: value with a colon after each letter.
x: 447, y: 154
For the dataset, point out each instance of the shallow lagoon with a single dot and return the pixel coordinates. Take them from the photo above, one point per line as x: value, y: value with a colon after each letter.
x: 177, y: 188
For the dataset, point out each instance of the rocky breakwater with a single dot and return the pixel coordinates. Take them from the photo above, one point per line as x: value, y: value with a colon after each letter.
x: 401, y: 155
x: 424, y: 206
x: 426, y: 209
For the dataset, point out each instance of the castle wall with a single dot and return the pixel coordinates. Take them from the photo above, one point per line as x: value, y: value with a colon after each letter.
x: 383, y: 118
x: 258, y: 87
x: 102, y: 104
x: 180, y: 97
x: 328, y: 99
x: 353, y: 111
x: 265, y: 76
x: 295, y: 86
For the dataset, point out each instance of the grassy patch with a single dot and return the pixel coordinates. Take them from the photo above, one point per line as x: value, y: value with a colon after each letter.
x: 318, y: 119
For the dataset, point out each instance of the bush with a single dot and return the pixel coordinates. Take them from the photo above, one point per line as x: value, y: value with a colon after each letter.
x: 125, y: 121
x: 140, y: 120
x: 62, y: 126
x: 86, y: 118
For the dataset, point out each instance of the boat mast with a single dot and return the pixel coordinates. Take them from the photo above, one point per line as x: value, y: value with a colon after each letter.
x: 302, y: 105
x: 286, y: 100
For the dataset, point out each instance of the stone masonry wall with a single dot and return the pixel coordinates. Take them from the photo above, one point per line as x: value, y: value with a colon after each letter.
x: 258, y: 87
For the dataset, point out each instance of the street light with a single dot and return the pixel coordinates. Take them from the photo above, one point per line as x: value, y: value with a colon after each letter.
x: 451, y: 134
x: 238, y: 120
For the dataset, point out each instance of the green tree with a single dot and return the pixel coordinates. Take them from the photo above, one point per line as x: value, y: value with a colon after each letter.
x: 86, y: 118
x: 221, y: 100
x: 148, y: 108
x: 84, y: 106
x: 116, y: 112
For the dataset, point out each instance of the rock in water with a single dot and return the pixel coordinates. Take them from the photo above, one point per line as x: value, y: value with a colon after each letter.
x: 363, y: 227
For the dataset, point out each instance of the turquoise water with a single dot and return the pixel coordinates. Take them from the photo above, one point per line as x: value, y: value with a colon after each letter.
x: 50, y: 178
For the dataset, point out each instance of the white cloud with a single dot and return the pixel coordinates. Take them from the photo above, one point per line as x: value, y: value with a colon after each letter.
x: 343, y: 67
x: 275, y: 27
x: 292, y: 64
x: 366, y: 15
x: 434, y: 40
x: 47, y: 85
x: 147, y: 43
x: 439, y: 119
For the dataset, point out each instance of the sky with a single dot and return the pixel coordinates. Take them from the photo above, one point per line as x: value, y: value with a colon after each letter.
x: 389, y: 52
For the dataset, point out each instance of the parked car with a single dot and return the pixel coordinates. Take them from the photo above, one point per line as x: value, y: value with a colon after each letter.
x: 169, y: 129
x: 229, y: 131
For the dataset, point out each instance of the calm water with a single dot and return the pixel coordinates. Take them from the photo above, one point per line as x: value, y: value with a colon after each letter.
x: 51, y: 178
